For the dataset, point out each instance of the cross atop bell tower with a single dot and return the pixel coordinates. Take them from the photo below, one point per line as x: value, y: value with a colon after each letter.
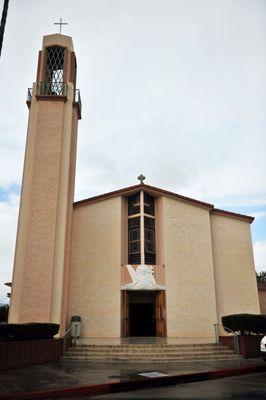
x: 60, y: 25
x: 42, y: 257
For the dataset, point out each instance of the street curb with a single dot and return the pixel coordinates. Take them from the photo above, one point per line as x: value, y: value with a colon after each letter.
x: 134, y: 384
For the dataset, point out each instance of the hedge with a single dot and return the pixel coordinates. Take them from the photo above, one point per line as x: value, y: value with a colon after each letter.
x: 27, y: 331
x: 4, y: 312
x: 245, y: 324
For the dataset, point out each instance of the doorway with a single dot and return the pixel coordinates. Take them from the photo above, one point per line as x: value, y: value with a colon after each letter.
x: 143, y: 313
x: 142, y: 310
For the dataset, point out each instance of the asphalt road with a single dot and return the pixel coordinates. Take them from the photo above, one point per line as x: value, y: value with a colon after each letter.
x: 245, y: 387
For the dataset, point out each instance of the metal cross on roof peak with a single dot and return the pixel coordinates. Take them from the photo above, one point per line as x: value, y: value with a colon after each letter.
x: 60, y: 23
x: 141, y: 179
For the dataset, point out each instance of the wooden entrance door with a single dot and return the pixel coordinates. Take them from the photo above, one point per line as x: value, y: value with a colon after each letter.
x: 125, y: 314
x: 160, y: 314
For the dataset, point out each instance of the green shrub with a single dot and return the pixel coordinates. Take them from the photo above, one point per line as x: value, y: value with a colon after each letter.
x: 245, y: 324
x: 4, y: 312
x: 29, y: 331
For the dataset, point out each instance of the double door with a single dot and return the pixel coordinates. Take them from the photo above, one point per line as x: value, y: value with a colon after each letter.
x: 143, y: 313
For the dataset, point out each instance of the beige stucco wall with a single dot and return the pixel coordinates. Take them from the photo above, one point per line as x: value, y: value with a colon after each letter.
x: 190, y: 290
x: 41, y: 264
x: 34, y: 267
x: 95, y: 268
x: 193, y: 241
x: 235, y: 280
x: 159, y: 231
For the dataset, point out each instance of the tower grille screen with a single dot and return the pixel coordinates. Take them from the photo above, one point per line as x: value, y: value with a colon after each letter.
x: 54, y: 71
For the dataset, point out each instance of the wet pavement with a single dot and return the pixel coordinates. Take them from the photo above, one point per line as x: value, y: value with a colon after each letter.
x: 66, y: 374
x: 247, y: 387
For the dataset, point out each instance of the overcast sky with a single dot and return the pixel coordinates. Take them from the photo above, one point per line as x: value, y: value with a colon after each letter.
x: 173, y: 89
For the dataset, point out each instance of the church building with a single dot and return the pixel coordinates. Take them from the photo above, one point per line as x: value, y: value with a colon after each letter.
x: 138, y: 261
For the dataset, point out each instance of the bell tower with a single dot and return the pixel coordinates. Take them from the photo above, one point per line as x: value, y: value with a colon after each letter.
x: 42, y: 255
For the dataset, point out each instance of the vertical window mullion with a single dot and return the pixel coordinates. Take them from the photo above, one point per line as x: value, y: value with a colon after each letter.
x: 142, y: 235
x: 141, y: 229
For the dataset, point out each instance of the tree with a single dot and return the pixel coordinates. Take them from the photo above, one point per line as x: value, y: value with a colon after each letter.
x: 4, y: 312
x: 261, y: 276
x: 3, y: 23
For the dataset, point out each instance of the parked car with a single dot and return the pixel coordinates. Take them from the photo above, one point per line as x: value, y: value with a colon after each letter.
x: 263, y: 348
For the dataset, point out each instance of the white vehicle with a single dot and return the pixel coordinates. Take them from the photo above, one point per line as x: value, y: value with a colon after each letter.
x: 263, y: 348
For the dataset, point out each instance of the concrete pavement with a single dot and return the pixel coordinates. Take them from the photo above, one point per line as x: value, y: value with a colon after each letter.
x: 247, y: 387
x: 71, y: 376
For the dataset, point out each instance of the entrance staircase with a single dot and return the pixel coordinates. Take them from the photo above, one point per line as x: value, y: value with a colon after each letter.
x: 149, y: 352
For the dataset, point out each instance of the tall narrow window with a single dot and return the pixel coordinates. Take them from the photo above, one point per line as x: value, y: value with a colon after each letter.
x: 54, y: 70
x: 141, y: 229
x: 134, y: 255
x: 134, y: 204
x: 148, y: 204
x: 149, y: 240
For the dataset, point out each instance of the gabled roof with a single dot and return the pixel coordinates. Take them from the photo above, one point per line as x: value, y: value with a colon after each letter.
x: 130, y: 190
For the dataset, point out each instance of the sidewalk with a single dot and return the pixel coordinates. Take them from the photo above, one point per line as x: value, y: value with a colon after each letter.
x: 77, y: 378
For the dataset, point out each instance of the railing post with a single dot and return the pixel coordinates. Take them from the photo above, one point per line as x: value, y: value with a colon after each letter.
x: 66, y: 336
x: 235, y: 337
x: 64, y: 345
x: 75, y: 335
x: 216, y: 329
x: 236, y: 344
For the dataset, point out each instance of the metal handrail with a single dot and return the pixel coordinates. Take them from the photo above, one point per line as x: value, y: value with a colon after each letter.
x: 54, y: 89
x: 235, y: 336
x: 51, y: 88
x: 29, y: 94
x: 65, y: 336
x: 225, y: 328
x: 77, y: 98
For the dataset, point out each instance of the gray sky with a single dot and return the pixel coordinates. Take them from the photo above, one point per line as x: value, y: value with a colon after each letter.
x: 175, y: 90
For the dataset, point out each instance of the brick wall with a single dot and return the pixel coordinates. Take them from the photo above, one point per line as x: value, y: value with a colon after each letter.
x: 26, y: 353
x: 249, y: 346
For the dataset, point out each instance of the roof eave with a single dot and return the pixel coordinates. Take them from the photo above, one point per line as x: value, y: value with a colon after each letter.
x: 157, y: 191
x: 243, y: 217
x: 131, y: 189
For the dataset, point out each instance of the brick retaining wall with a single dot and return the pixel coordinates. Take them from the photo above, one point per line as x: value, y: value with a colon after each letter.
x: 249, y: 346
x: 26, y: 353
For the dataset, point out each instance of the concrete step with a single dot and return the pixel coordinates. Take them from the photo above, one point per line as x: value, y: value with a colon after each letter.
x: 150, y: 356
x: 150, y: 352
x: 145, y: 359
x: 147, y: 352
x: 148, y: 346
x: 164, y: 350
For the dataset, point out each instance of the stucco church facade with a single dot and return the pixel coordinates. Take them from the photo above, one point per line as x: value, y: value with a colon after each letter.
x: 139, y: 261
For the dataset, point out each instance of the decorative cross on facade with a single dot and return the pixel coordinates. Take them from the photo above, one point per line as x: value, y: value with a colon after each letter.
x: 60, y: 23
x: 141, y: 178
